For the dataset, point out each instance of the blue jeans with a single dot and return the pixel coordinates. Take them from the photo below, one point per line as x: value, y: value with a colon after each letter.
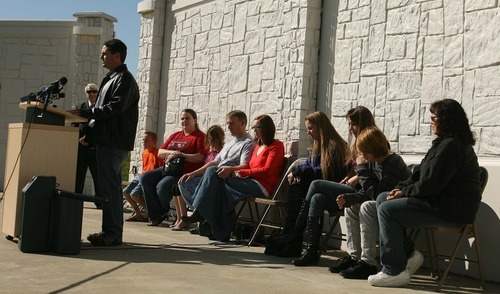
x: 134, y: 188
x: 241, y: 188
x: 394, y: 216
x: 109, y: 161
x: 215, y: 199
x: 187, y: 190
x: 322, y: 195
x: 157, y: 192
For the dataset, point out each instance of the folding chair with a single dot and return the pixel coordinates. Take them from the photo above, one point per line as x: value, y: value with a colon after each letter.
x: 275, y: 201
x: 336, y: 214
x: 469, y: 229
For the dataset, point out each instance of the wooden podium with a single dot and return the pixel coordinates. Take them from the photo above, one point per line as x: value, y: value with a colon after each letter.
x: 37, y: 149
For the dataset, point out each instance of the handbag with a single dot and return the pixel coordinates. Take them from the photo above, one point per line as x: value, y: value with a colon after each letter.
x: 174, y: 167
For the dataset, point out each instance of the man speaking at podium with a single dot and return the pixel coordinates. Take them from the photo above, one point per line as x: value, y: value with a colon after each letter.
x: 112, y: 126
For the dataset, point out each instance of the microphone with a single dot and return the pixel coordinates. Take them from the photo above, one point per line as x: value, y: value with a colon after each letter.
x: 46, y: 93
x: 56, y: 86
x: 62, y: 81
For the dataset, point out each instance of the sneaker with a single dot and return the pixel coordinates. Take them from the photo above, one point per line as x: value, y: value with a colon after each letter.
x: 361, y: 271
x: 384, y: 280
x: 342, y: 264
x: 101, y: 239
x: 414, y: 262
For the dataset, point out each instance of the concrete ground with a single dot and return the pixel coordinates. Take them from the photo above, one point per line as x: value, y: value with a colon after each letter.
x: 156, y: 259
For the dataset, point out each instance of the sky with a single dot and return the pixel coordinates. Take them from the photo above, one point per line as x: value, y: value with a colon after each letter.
x: 127, y: 27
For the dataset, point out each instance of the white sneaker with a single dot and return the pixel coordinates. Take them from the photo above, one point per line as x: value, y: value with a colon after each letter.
x: 384, y: 280
x: 414, y: 262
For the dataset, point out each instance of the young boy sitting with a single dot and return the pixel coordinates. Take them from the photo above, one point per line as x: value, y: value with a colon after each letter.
x: 379, y: 170
x: 133, y: 192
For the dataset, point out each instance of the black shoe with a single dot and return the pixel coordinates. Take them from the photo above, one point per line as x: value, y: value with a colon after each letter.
x: 98, y: 205
x: 360, y: 271
x: 194, y: 218
x: 307, y: 259
x: 342, y: 264
x: 194, y: 231
x: 102, y: 239
x: 205, y: 229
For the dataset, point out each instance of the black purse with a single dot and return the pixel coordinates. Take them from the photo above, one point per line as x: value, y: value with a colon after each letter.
x: 174, y: 167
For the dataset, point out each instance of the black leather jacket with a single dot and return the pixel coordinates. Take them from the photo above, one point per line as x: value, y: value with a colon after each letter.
x: 116, y: 112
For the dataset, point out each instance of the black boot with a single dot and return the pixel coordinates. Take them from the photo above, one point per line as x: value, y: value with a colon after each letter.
x: 293, y: 206
x: 313, y: 235
x: 293, y: 242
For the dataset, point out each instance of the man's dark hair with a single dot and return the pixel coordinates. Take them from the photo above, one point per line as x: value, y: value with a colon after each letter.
x: 117, y: 46
x: 239, y: 114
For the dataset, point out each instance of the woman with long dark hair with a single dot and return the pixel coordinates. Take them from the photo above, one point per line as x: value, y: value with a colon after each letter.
x: 444, y: 191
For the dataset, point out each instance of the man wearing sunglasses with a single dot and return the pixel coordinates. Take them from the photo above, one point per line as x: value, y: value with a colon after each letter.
x: 86, y: 151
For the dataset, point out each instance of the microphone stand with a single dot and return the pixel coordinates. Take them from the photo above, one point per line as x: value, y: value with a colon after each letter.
x: 46, y: 100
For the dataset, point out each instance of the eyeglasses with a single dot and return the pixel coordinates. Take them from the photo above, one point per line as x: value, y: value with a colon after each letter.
x: 434, y: 118
x: 91, y: 92
x: 256, y: 127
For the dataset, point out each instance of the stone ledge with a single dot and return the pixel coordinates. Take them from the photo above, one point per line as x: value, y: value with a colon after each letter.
x: 89, y: 31
x: 187, y: 3
x: 146, y: 6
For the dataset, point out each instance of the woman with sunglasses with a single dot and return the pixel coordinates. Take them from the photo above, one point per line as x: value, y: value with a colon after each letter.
x: 444, y: 191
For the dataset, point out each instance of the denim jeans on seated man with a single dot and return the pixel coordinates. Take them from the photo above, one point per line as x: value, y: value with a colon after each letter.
x: 109, y: 161
x: 157, y: 192
x: 216, y: 199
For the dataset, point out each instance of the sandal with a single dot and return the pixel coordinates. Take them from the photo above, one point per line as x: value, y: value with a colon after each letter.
x: 136, y: 218
x: 155, y: 223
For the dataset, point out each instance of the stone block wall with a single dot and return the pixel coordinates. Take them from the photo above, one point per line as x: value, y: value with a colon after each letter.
x: 149, y: 72
x: 397, y: 57
x: 257, y: 56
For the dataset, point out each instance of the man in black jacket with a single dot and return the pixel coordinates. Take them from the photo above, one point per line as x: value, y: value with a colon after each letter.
x: 86, y: 152
x: 112, y: 127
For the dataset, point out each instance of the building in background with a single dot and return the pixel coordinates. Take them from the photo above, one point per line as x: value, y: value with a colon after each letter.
x: 37, y: 53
